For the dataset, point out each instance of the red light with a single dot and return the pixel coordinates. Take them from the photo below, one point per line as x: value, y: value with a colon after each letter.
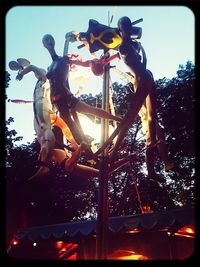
x: 187, y: 230
x: 67, y: 251
x: 15, y: 242
x: 73, y: 256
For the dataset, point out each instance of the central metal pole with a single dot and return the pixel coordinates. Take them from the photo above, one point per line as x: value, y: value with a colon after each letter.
x: 102, y: 212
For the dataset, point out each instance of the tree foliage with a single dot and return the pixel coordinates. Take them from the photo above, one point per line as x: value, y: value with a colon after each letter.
x: 61, y: 197
x: 7, y: 79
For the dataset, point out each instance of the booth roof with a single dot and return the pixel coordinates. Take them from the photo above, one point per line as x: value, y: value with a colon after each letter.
x: 171, y: 220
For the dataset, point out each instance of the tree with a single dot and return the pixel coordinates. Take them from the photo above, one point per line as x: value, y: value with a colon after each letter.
x: 178, y: 122
x: 176, y: 109
x: 7, y: 79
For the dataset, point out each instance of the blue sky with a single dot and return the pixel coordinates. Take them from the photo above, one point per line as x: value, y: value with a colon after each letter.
x: 168, y: 39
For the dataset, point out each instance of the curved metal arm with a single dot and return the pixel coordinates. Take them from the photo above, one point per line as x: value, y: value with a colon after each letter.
x: 69, y: 37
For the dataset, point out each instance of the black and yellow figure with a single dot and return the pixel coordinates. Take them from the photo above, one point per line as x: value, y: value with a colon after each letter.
x: 100, y: 36
x: 123, y: 39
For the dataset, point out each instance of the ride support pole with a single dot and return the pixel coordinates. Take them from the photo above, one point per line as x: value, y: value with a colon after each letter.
x: 102, y: 212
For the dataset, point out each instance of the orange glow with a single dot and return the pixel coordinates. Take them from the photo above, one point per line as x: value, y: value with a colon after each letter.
x: 135, y: 230
x: 187, y: 230
x: 59, y: 244
x: 121, y: 254
x: 185, y: 235
x: 146, y: 209
x: 133, y: 257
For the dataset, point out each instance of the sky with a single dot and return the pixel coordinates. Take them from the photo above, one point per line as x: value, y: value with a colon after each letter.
x: 168, y: 37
